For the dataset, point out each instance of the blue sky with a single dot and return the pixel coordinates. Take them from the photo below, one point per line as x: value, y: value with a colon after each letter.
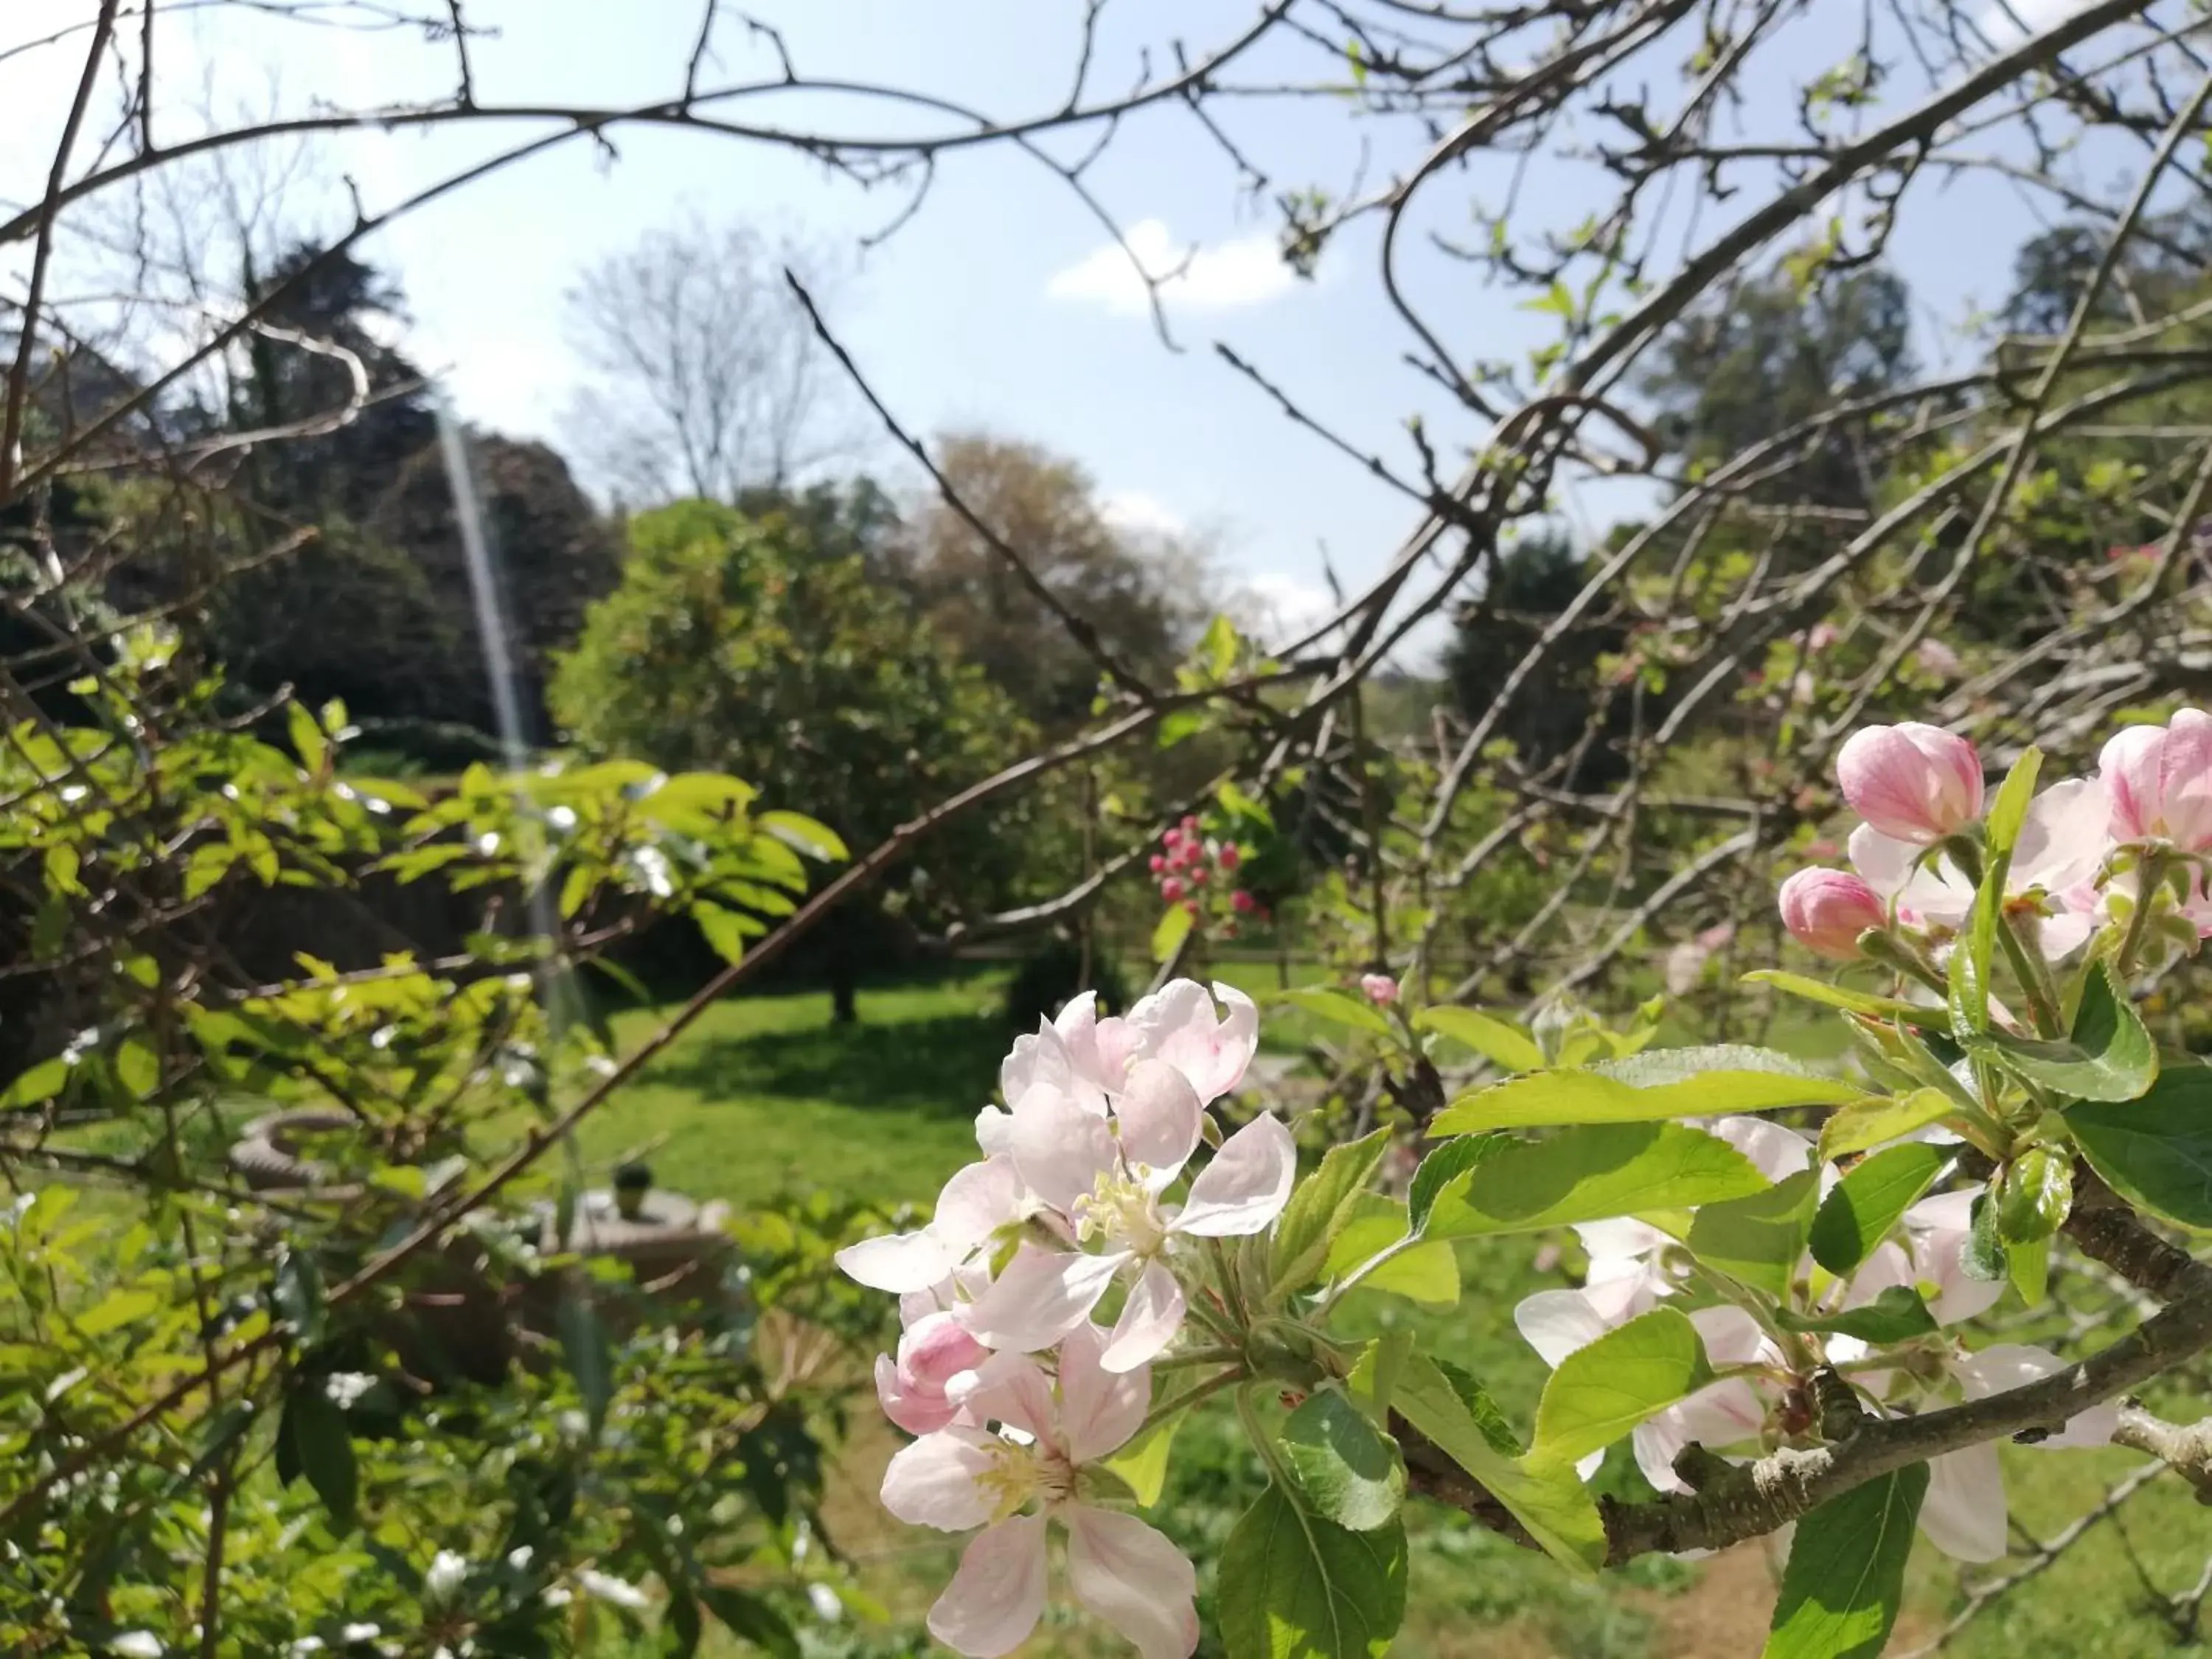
x: 1001, y: 305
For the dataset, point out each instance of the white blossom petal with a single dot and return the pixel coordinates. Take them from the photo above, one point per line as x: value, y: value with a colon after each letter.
x: 1158, y: 1114
x: 1964, y: 1513
x: 1557, y: 1322
x: 1246, y: 1185
x: 1101, y: 1406
x: 1131, y: 1576
x: 1041, y: 1296
x: 938, y: 1482
x: 1150, y: 1319
x: 996, y: 1598
x: 2003, y: 1366
x: 898, y: 1262
x: 1060, y: 1149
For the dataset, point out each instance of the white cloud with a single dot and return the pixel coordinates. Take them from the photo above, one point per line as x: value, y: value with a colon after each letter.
x: 1246, y: 271
x: 1134, y: 511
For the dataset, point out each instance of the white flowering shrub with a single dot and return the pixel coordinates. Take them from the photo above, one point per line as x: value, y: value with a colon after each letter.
x: 1786, y: 1263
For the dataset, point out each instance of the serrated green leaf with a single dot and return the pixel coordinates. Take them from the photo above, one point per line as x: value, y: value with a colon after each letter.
x: 1444, y: 1163
x: 1868, y: 1202
x: 1496, y: 1040
x: 1374, y: 1375
x: 1293, y: 1586
x: 1983, y: 1256
x: 2028, y: 1266
x: 1649, y: 1087
x: 308, y: 737
x: 1756, y: 1240
x: 1338, y: 1009
x: 1591, y: 1174
x: 1600, y: 1393
x: 1319, y: 1210
x: 1897, y: 1314
x: 1968, y: 985
x: 1845, y: 1579
x: 2109, y: 1055
x: 1546, y: 1497
x: 2034, y: 1194
x: 2008, y: 806
x: 1886, y: 1117
x: 1345, y: 1469
x: 1837, y: 996
x: 2155, y: 1150
x: 1427, y: 1273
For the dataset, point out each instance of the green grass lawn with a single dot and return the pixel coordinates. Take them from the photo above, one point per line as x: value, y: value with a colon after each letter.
x: 764, y: 1096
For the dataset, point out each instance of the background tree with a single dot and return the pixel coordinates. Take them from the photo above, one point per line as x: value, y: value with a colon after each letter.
x: 735, y: 637
x: 705, y: 378
x: 1143, y: 594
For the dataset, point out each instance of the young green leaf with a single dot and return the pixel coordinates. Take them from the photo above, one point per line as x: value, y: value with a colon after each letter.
x: 1502, y: 1044
x: 1898, y: 1315
x: 1601, y: 1392
x: 1983, y: 1256
x: 803, y: 835
x: 2008, y: 806
x: 299, y: 1295
x: 751, y: 1618
x: 1885, y: 1117
x: 1969, y: 982
x: 1846, y: 1574
x: 1544, y: 1496
x: 1868, y: 1202
x: 1665, y: 1083
x: 1338, y: 1009
x: 1347, y: 1470
x: 1842, y: 996
x: 1141, y: 1465
x: 2034, y: 1196
x: 1591, y: 1174
x: 2028, y: 1266
x: 2109, y: 1055
x: 2155, y: 1151
x: 1293, y: 1586
x: 1438, y: 1170
x: 1427, y: 1273
x: 1320, y: 1209
x: 584, y: 1347
x: 1756, y: 1240
x: 321, y: 1449
x: 1374, y: 1375
x: 1168, y: 936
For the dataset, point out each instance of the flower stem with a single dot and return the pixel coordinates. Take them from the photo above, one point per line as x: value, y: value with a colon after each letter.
x: 1189, y: 1397
x: 2147, y: 885
x: 2034, y: 976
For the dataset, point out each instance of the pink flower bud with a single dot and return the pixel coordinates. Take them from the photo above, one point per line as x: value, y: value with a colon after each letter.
x: 1230, y: 858
x: 1190, y: 906
x: 1380, y: 988
x: 1826, y: 910
x: 1243, y: 903
x: 1189, y: 823
x: 1917, y: 783
x: 1171, y: 888
x: 1157, y: 863
x: 1198, y: 873
x: 912, y: 1387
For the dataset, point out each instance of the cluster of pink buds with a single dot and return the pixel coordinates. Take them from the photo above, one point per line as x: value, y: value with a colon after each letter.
x: 2089, y: 853
x: 1190, y: 866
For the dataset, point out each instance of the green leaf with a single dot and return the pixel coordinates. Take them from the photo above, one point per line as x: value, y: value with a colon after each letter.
x: 1871, y: 1122
x: 1983, y: 1256
x: 2009, y: 807
x: 1174, y: 927
x: 1141, y: 1465
x: 1591, y: 1174
x: 117, y: 1308
x: 1319, y: 1210
x: 322, y: 1448
x: 308, y: 737
x: 1839, y: 996
x: 1898, y: 1315
x: 2034, y: 1194
x: 1968, y: 988
x: 1338, y: 1009
x: 1846, y: 1574
x: 804, y: 836
x: 41, y: 1082
x: 1427, y: 1273
x: 1663, y: 1083
x: 1373, y: 1378
x: 1293, y: 1586
x: 584, y: 1347
x: 2155, y: 1151
x: 1601, y: 1392
x: 299, y: 1295
x: 751, y: 1618
x: 1867, y: 1203
x: 2108, y: 1056
x: 1503, y: 1044
x: 1756, y: 1240
x: 1348, y: 1470
x: 723, y: 930
x: 1437, y: 1170
x: 1544, y: 1496
x: 2028, y: 1266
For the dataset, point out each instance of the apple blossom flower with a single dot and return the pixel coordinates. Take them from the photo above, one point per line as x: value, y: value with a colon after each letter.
x: 1378, y: 988
x: 1230, y: 855
x: 2160, y: 781
x: 1916, y: 782
x: 1935, y: 658
x: 1826, y: 910
x: 1106, y: 1177
x: 1119, y: 1568
x: 977, y: 1201
x: 912, y: 1387
x: 1171, y: 888
x: 1243, y: 903
x: 2063, y: 843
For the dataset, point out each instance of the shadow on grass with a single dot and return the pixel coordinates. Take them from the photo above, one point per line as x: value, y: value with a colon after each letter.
x: 945, y: 1067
